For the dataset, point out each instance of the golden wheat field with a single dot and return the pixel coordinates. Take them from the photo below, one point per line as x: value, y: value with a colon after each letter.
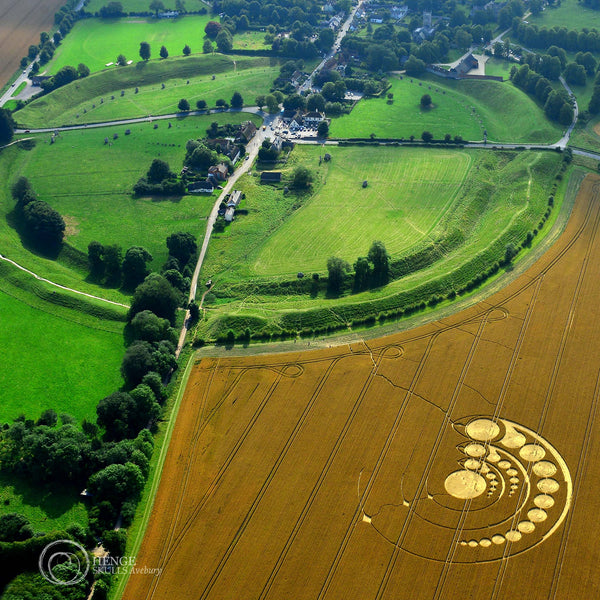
x: 21, y: 22
x: 456, y: 460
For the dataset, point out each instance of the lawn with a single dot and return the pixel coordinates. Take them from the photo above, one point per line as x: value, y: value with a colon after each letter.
x: 139, y: 6
x: 570, y: 14
x: 98, y: 97
x: 466, y: 108
x: 407, y: 194
x: 97, y: 42
x: 53, y: 361
x: 461, y: 206
x: 92, y: 190
x: 45, y: 510
x: 250, y: 40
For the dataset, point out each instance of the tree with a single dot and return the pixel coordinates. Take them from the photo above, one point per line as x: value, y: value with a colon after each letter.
x: 83, y: 70
x: 224, y: 41
x: 212, y: 28
x: 362, y: 273
x: 134, y: 267
x: 115, y: 414
x: 43, y: 224
x: 22, y: 189
x: 323, y: 129
x: 260, y: 101
x: 159, y: 171
x: 137, y: 361
x: 187, y: 50
x: 117, y: 483
x: 294, y: 102
x: 14, y: 527
x: 302, y: 177
x: 183, y: 105
x: 112, y: 264
x: 182, y: 246
x: 148, y: 327
x: 272, y: 103
x: 7, y: 126
x: 201, y: 104
x: 236, y: 100
x: 114, y: 542
x: 427, y: 136
x: 426, y: 101
x: 33, y: 51
x: 164, y: 53
x: 575, y: 74
x: 96, y: 259
x: 337, y: 269
x: 65, y: 75
x: 145, y: 50
x: 379, y: 258
x: 207, y: 47
x: 594, y: 105
x: 414, y: 66
x: 121, y: 60
x: 315, y: 102
x: 155, y: 294
x: 156, y: 5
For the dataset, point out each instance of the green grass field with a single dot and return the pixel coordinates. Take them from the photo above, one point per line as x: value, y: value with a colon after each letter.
x: 45, y: 510
x: 90, y: 100
x: 570, y: 14
x: 406, y: 196
x: 92, y: 190
x: 97, y: 42
x: 250, y: 40
x: 467, y: 108
x: 55, y: 362
x: 502, y: 197
x: 143, y: 5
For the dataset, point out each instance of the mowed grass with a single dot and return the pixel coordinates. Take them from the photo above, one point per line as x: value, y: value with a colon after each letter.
x: 90, y: 100
x: 96, y: 42
x: 570, y: 14
x: 46, y: 510
x: 250, y: 40
x: 502, y: 198
x: 407, y: 193
x: 466, y: 108
x: 52, y: 362
x: 143, y: 5
x: 92, y: 189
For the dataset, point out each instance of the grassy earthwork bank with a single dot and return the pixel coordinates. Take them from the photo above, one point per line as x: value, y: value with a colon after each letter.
x: 466, y: 108
x: 89, y: 183
x: 477, y: 202
x: 98, y: 97
x: 570, y: 14
x: 97, y: 42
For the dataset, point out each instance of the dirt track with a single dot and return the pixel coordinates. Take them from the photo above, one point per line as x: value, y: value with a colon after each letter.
x: 456, y: 460
x: 21, y: 22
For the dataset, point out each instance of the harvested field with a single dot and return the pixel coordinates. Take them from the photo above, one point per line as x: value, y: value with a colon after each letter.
x: 456, y: 460
x: 21, y: 23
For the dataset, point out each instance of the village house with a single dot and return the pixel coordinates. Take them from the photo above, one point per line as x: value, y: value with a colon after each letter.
x: 224, y: 146
x: 313, y: 118
x: 219, y: 172
x: 246, y: 132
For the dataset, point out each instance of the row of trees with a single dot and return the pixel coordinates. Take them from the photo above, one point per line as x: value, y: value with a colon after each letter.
x: 557, y: 104
x: 370, y: 271
x: 38, y: 223
x: 237, y: 102
x: 532, y: 36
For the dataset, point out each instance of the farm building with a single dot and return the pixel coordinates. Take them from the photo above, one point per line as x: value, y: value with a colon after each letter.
x: 229, y: 214
x: 235, y: 198
x: 201, y: 187
x: 270, y: 177
x: 465, y: 65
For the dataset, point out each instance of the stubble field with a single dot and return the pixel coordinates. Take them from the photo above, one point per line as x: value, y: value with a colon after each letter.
x: 456, y: 460
x: 20, y: 25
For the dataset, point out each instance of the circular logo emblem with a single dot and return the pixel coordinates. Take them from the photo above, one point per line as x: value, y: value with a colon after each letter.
x: 64, y: 552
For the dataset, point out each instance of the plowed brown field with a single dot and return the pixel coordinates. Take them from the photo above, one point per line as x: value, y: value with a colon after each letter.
x: 457, y: 460
x: 21, y: 22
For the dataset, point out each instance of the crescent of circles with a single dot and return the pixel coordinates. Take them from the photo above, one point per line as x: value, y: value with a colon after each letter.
x: 545, y: 462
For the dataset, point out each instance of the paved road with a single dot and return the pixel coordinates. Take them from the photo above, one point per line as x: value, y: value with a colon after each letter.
x: 251, y: 151
x: 336, y: 46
